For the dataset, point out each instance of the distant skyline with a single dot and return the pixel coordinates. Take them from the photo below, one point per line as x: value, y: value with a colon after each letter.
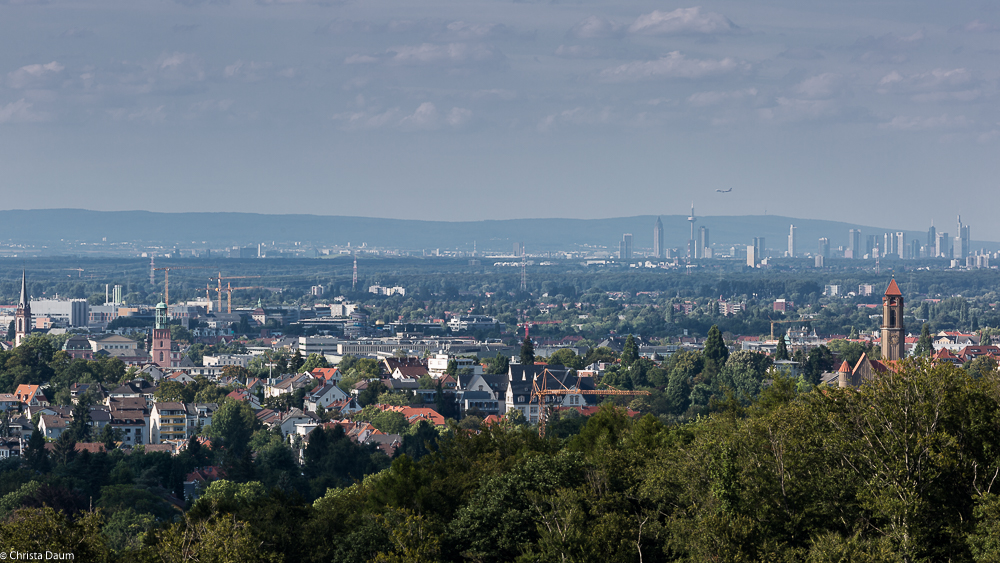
x: 870, y: 113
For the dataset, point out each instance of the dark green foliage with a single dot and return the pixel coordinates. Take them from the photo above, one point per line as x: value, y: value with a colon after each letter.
x: 781, y: 352
x: 333, y: 460
x: 527, y: 352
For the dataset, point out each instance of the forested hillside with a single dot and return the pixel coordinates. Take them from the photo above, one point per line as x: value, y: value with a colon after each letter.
x: 904, y: 469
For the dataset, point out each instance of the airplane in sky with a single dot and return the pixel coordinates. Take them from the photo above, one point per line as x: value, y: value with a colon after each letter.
x: 725, y: 191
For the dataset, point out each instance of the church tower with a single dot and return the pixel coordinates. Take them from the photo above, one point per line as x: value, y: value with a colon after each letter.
x: 160, y: 350
x: 893, y: 335
x: 22, y: 318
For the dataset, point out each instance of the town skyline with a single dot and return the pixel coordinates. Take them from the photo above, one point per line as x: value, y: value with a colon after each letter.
x: 503, y: 110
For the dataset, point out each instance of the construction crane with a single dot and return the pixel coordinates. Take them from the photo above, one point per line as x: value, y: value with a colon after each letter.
x: 166, y: 280
x: 79, y: 270
x: 229, y: 295
x: 542, y: 391
x: 780, y: 322
x: 220, y: 277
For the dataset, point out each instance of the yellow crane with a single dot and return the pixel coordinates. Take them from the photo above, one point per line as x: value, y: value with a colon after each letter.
x: 541, y: 391
x: 220, y: 277
x: 166, y: 280
x: 229, y: 295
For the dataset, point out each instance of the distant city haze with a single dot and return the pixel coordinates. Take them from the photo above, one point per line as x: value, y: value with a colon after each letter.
x: 854, y: 112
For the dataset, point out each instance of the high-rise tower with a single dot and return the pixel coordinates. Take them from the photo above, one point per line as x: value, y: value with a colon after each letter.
x: 22, y: 318
x: 691, y: 244
x: 658, y: 239
x: 893, y: 335
x: 791, y: 241
x: 854, y: 244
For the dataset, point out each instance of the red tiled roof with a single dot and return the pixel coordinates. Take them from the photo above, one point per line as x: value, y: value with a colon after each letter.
x: 893, y: 289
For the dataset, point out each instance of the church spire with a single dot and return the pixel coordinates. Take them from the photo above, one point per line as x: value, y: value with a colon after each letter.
x: 24, y: 290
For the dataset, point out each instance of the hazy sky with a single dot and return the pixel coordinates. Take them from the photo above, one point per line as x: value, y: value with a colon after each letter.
x: 879, y: 112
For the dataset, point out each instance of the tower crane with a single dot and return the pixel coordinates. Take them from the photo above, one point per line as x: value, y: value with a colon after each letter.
x: 220, y: 277
x: 166, y: 280
x: 78, y: 270
x: 542, y: 390
x: 229, y: 295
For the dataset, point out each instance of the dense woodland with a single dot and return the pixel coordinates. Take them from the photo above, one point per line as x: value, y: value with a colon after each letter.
x: 903, y: 469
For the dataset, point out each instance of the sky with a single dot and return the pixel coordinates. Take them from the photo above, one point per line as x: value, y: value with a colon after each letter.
x: 875, y: 112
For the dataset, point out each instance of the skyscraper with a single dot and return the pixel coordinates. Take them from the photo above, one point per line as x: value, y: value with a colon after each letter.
x: 752, y: 254
x: 931, y: 240
x: 824, y: 248
x: 703, y: 246
x: 854, y: 244
x: 962, y: 241
x: 901, y: 248
x: 658, y: 239
x: 691, y: 244
x: 942, y: 246
x: 625, y: 247
x: 758, y: 249
x: 791, y: 241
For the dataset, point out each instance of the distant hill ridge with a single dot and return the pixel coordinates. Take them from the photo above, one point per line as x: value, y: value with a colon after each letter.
x: 49, y: 226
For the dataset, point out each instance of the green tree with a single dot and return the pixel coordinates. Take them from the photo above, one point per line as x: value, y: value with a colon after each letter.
x: 925, y: 346
x: 716, y: 353
x: 565, y: 357
x: 630, y: 351
x: 233, y: 425
x: 315, y: 361
x: 527, y: 352
x: 390, y: 422
x: 170, y: 391
x: 781, y: 353
x: 296, y: 362
x: 498, y: 365
x: 744, y: 374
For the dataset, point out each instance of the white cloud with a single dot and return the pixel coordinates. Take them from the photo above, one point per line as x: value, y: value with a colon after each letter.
x: 595, y: 27
x: 794, y: 109
x: 704, y: 99
x: 577, y: 52
x: 576, y: 116
x: 19, y: 112
x: 826, y: 85
x: 458, y: 117
x: 249, y: 71
x: 682, y: 20
x: 146, y: 114
x: 451, y: 53
x: 425, y: 118
x: 673, y: 65
x: 464, y: 31
x: 914, y: 123
x: 977, y: 26
x: 33, y: 75
x: 938, y: 85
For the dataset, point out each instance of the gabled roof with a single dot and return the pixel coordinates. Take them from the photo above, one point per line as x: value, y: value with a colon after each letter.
x: 893, y: 289
x: 324, y: 373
